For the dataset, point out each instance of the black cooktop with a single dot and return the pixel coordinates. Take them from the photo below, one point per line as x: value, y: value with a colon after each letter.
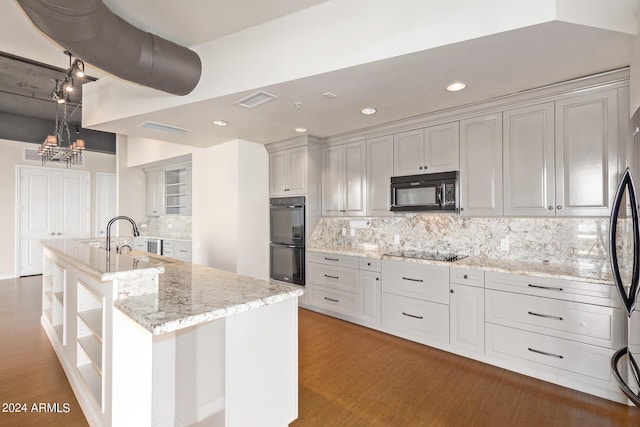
x: 435, y: 256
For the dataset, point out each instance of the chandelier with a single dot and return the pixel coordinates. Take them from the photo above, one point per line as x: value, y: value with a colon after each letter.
x: 58, y: 146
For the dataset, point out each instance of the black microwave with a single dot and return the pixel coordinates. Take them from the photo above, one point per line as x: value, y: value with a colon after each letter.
x: 428, y: 192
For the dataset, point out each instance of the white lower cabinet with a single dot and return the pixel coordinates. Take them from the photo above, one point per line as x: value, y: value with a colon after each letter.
x: 558, y: 330
x: 415, y: 301
x: 345, y: 285
x: 466, y: 309
x: 561, y: 331
x: 418, y: 320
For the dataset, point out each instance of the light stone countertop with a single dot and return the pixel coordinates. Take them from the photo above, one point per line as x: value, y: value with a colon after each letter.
x: 585, y: 271
x: 187, y: 294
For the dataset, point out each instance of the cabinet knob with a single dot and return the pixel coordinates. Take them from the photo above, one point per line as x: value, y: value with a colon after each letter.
x: 466, y: 276
x: 420, y: 168
x: 452, y: 291
x: 369, y: 263
x: 550, y: 208
x: 377, y: 278
x: 425, y: 167
x: 559, y: 207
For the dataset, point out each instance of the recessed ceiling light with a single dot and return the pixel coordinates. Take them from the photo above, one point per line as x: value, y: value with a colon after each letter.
x: 456, y: 86
x: 368, y: 111
x: 301, y: 130
x: 220, y: 122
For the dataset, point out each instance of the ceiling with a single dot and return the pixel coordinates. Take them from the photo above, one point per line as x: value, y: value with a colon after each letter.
x: 399, y: 87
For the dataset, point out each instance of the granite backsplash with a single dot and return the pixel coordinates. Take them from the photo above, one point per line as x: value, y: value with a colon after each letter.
x: 169, y: 226
x: 533, y: 239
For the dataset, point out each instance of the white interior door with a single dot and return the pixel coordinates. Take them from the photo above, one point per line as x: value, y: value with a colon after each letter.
x: 52, y: 204
x: 105, y: 201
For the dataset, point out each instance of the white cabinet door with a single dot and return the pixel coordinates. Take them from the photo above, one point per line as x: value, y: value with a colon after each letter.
x: 379, y: 172
x: 155, y: 193
x: 408, y: 153
x: 586, y: 154
x: 297, y: 171
x: 355, y: 178
x: 529, y: 169
x: 288, y: 172
x: 332, y: 181
x: 442, y: 148
x: 481, y: 166
x: 369, y: 296
x: 344, y: 172
x: 278, y: 171
x: 466, y: 311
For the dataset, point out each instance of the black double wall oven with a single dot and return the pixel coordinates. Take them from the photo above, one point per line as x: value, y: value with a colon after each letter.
x: 287, y: 217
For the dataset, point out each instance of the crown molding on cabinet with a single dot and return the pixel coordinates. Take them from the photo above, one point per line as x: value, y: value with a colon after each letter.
x: 607, y: 80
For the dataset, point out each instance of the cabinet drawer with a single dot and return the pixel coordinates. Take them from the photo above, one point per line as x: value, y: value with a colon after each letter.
x: 370, y: 264
x: 333, y: 299
x: 334, y: 277
x: 467, y: 276
x: 570, y: 290
x: 418, y: 320
x: 570, y: 359
x: 565, y: 319
x: 423, y: 281
x: 333, y: 259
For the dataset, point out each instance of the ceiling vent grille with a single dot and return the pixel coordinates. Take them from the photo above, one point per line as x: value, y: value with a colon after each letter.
x: 159, y: 127
x: 255, y: 99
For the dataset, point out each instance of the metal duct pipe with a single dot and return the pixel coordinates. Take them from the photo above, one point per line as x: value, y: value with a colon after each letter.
x: 89, y: 30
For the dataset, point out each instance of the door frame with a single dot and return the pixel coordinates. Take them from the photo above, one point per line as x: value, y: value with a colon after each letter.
x: 18, y: 199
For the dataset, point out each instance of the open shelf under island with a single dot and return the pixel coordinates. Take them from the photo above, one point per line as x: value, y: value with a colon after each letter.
x: 150, y: 341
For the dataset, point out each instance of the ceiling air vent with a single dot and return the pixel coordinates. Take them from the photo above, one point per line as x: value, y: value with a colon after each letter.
x: 255, y: 99
x: 159, y: 127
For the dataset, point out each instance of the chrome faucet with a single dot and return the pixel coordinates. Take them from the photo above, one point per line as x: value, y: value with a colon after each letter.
x: 135, y: 229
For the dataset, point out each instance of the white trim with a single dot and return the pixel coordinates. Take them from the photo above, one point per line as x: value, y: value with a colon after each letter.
x: 8, y: 276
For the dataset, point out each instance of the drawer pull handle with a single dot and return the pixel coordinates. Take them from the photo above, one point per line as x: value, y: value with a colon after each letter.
x: 544, y: 287
x: 331, y: 259
x: 331, y: 299
x: 412, y: 315
x: 546, y: 316
x: 544, y: 353
x: 331, y: 277
x: 412, y: 280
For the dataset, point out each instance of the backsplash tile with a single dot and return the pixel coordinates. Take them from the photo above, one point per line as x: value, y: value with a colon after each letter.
x: 169, y: 226
x: 534, y: 239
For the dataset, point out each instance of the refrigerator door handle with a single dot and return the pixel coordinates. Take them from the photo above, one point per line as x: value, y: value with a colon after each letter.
x: 628, y: 300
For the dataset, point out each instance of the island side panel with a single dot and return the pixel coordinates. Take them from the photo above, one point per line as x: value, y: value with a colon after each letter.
x: 262, y: 366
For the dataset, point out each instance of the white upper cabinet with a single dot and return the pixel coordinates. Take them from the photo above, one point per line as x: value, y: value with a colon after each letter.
x: 344, y: 175
x: 430, y: 150
x: 586, y: 154
x: 379, y: 173
x: 481, y: 166
x: 288, y: 172
x: 155, y: 193
x: 529, y: 161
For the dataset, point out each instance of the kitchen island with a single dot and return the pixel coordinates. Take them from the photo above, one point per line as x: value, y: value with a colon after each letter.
x: 147, y: 340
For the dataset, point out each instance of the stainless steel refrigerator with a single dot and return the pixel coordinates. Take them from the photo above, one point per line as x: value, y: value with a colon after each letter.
x: 624, y: 362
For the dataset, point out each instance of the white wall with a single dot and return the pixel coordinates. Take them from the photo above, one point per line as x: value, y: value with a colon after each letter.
x: 131, y: 184
x: 12, y: 154
x: 634, y: 77
x: 230, y: 217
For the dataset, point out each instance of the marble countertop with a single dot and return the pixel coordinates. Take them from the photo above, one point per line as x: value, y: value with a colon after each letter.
x: 186, y: 295
x: 104, y: 265
x: 585, y: 271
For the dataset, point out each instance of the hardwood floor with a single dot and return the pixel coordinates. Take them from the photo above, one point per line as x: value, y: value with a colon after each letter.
x: 29, y: 369
x: 349, y: 376
x: 354, y: 376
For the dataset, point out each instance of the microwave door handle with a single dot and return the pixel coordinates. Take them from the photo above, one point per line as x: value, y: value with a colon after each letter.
x: 439, y: 199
